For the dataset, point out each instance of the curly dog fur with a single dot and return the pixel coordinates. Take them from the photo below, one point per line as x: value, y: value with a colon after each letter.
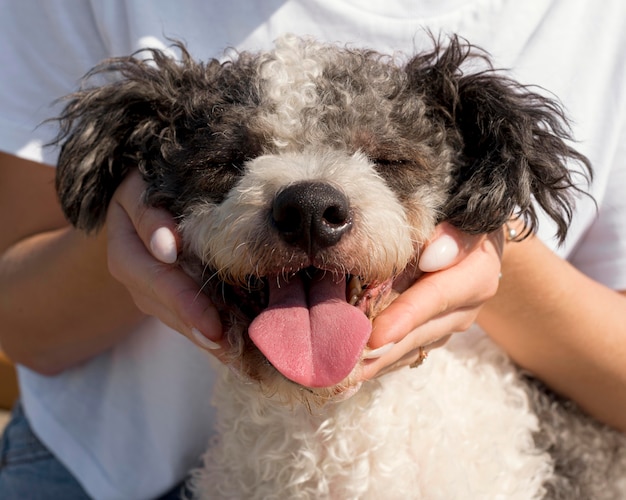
x: 305, y: 181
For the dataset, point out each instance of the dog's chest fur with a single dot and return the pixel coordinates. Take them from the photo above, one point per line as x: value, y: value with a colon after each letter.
x: 411, y: 434
x: 466, y: 424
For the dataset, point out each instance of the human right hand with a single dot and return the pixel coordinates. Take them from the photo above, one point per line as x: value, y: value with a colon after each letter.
x: 142, y: 250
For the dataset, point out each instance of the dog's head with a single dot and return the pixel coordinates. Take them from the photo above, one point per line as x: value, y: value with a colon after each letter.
x: 306, y: 180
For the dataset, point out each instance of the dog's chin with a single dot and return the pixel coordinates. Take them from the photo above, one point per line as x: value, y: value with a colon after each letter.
x: 285, y: 392
x: 341, y: 392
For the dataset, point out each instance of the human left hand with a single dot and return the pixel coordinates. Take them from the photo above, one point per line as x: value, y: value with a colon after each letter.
x: 460, y: 273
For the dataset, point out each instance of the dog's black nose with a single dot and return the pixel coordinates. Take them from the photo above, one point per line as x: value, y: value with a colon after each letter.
x: 311, y: 215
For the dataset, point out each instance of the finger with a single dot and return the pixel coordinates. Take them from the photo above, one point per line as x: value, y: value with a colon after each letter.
x: 429, y: 336
x: 436, y: 293
x: 447, y: 247
x: 155, y: 226
x: 418, y: 354
x: 192, y: 309
x: 163, y: 243
x: 131, y: 263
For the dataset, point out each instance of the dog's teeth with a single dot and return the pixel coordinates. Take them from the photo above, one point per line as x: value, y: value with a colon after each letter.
x: 354, y: 290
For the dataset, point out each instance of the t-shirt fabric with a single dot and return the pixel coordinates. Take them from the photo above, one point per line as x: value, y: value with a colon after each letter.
x: 131, y: 422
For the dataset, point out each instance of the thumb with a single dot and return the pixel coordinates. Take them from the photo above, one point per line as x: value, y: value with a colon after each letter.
x: 447, y: 247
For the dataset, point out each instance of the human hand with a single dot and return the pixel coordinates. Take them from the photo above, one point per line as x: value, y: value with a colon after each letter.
x: 142, y: 248
x: 461, y: 272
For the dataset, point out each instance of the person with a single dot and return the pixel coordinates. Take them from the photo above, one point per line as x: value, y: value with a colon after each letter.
x: 115, y: 402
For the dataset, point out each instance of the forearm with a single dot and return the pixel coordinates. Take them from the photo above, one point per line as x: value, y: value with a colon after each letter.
x: 53, y: 288
x: 562, y: 326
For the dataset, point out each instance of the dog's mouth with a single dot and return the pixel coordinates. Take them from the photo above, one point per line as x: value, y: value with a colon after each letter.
x: 314, y: 325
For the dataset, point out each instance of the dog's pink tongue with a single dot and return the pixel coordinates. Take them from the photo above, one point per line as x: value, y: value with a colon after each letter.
x: 315, y: 339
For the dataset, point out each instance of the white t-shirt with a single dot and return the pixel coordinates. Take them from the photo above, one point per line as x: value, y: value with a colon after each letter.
x: 132, y: 421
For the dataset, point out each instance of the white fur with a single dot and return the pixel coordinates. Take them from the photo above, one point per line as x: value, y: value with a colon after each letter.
x: 459, y: 427
x: 287, y: 79
x: 236, y: 235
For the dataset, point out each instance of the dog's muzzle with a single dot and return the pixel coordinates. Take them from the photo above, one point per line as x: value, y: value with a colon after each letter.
x: 309, y: 331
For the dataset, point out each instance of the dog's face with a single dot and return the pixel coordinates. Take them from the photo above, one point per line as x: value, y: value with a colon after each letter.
x: 307, y: 179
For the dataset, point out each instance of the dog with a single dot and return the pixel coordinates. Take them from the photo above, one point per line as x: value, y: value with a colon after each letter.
x: 306, y: 180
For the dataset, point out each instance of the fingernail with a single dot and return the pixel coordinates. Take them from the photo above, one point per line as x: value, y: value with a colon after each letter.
x: 439, y: 254
x: 204, y: 341
x: 377, y: 353
x: 163, y: 245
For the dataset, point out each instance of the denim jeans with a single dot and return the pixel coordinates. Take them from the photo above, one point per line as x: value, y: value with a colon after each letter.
x: 29, y: 471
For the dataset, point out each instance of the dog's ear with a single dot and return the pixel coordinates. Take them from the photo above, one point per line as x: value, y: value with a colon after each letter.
x: 104, y: 131
x: 512, y: 143
x: 135, y: 119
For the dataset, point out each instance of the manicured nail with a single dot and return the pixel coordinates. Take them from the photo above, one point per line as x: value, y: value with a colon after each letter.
x: 204, y: 341
x: 377, y: 353
x: 163, y: 245
x: 439, y: 254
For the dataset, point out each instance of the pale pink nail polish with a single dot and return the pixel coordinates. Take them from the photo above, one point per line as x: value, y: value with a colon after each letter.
x: 163, y: 246
x: 439, y: 254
